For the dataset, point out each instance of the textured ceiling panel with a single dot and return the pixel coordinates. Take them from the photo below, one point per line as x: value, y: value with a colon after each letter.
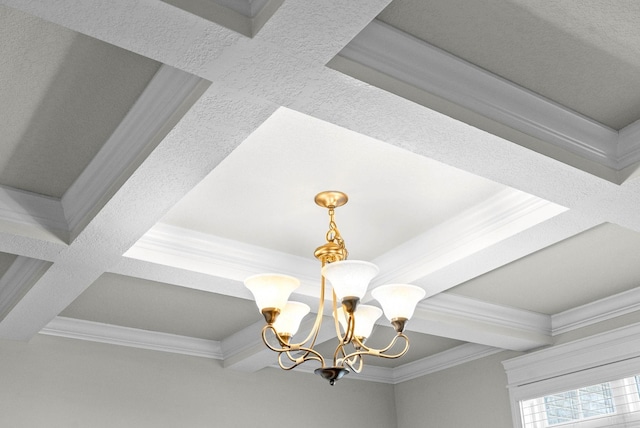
x: 582, y: 54
x: 62, y: 94
x: 154, y: 306
x: 587, y: 267
x: 5, y: 262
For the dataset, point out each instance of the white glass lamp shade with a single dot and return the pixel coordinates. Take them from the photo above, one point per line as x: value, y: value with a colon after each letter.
x: 290, y: 317
x: 398, y: 300
x: 366, y: 316
x: 350, y: 278
x: 271, y: 290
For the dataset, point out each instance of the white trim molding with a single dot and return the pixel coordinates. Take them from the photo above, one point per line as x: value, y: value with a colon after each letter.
x: 600, y: 350
x: 444, y: 360
x: 478, y: 311
x: 132, y: 337
x: 17, y: 280
x: 629, y: 145
x: 31, y: 209
x: 594, y: 312
x: 418, y: 64
x: 500, y: 217
x: 165, y: 99
x: 205, y: 253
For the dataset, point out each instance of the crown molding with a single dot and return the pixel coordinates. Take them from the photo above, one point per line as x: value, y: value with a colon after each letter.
x: 132, y: 337
x: 598, y: 350
x: 504, y: 215
x: 629, y: 145
x: 419, y: 64
x: 479, y: 312
x: 444, y: 360
x: 18, y: 280
x: 595, y: 312
x: 205, y: 253
x: 165, y: 99
x: 31, y: 209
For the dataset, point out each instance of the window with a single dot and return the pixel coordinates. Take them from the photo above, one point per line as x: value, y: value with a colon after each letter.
x: 587, y: 383
x: 615, y: 403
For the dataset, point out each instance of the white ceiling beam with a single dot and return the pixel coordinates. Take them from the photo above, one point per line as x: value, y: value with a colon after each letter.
x: 32, y: 215
x: 484, y: 323
x: 17, y: 280
x: 412, y: 61
x: 167, y: 97
x: 536, y: 238
x: 183, y: 158
x: 482, y: 226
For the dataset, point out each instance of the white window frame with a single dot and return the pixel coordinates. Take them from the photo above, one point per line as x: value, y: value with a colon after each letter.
x: 625, y: 411
x: 597, y: 359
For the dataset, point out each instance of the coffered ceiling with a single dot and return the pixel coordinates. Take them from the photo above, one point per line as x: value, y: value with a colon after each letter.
x: 155, y: 154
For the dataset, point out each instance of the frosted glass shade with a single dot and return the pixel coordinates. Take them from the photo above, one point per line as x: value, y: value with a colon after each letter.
x: 271, y: 290
x: 350, y: 278
x: 290, y: 317
x: 398, y: 300
x: 366, y: 316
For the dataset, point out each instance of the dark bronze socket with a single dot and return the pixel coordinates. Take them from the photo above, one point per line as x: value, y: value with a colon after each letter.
x: 350, y: 304
x: 270, y: 314
x: 398, y: 324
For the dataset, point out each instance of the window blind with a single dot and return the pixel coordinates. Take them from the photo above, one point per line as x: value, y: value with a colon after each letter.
x: 610, y: 404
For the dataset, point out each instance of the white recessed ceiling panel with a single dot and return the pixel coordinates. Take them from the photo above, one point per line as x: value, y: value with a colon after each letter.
x: 262, y: 193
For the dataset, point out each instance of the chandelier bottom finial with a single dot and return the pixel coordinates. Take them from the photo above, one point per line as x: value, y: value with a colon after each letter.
x: 332, y: 374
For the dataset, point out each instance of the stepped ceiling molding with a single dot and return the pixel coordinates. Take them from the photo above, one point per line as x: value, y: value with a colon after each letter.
x: 155, y: 154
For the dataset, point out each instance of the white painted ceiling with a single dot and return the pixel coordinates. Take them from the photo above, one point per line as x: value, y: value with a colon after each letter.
x: 152, y: 159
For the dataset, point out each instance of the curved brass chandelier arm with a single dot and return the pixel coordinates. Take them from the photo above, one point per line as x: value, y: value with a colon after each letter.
x: 310, y: 355
x: 381, y: 352
x: 284, y: 346
x: 313, y: 334
x: 348, y: 334
x: 353, y: 361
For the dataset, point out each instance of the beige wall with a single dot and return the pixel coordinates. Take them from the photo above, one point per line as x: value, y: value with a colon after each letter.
x: 469, y: 395
x: 54, y: 382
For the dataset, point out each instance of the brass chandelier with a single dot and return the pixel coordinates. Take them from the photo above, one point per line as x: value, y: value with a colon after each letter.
x: 353, y: 322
